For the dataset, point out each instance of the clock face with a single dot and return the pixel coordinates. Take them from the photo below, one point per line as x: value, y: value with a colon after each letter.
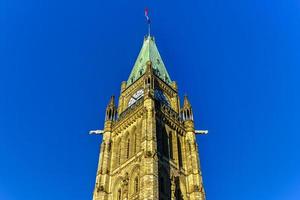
x: 136, y: 96
x: 160, y: 96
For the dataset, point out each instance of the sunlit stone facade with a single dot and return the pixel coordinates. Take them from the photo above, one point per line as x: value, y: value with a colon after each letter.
x: 149, y: 148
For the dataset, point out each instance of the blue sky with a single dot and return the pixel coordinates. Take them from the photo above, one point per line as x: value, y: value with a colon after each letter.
x: 238, y: 61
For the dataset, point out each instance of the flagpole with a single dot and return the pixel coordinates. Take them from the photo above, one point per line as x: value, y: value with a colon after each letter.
x: 149, y: 29
x: 148, y: 21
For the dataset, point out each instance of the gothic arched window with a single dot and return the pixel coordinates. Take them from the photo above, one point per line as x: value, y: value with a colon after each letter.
x: 116, y: 153
x: 188, y: 114
x: 109, y: 115
x: 134, y: 143
x: 128, y: 146
x: 103, y: 147
x: 190, y: 147
x: 119, y: 195
x: 164, y: 142
x: 103, y: 153
x: 179, y: 152
x: 136, y: 139
x: 136, y: 185
x: 171, y: 145
x: 119, y: 154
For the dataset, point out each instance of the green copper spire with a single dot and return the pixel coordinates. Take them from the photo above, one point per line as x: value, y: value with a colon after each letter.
x: 149, y: 52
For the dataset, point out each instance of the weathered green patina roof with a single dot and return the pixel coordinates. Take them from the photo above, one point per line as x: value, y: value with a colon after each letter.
x: 149, y: 52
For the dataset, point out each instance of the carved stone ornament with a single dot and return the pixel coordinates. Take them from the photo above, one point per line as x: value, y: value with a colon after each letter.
x: 196, y: 188
x: 126, y: 179
x: 148, y: 154
x: 100, y: 188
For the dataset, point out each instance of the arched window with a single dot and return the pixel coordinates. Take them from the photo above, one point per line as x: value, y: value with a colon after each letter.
x: 134, y: 143
x: 119, y: 154
x: 128, y: 146
x: 109, y: 115
x: 109, y: 146
x: 171, y: 145
x: 190, y: 147
x: 178, y: 193
x: 165, y: 142
x: 104, y: 145
x: 136, y: 185
x: 116, y: 153
x: 136, y: 139
x: 103, y: 154
x: 179, y: 152
x: 119, y: 195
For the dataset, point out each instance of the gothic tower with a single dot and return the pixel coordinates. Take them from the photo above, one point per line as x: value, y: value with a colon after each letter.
x: 149, y: 148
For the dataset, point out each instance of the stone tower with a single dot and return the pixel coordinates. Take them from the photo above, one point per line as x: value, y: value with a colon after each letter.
x: 149, y: 148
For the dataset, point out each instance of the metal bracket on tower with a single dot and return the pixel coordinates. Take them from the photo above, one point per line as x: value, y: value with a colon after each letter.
x: 96, y: 132
x: 201, y: 132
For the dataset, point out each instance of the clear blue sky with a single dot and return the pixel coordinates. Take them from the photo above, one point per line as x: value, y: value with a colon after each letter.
x: 239, y: 62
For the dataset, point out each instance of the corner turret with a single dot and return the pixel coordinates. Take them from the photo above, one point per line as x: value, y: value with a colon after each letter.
x: 111, y: 110
x: 186, y: 111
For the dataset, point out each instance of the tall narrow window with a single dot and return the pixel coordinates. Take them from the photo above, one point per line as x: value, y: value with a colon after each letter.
x: 171, y: 145
x: 134, y: 143
x: 103, y: 147
x: 190, y: 147
x: 136, y: 185
x: 178, y: 194
x: 165, y: 142
x: 109, y: 115
x: 116, y: 153
x: 109, y: 146
x: 179, y: 152
x: 103, y: 155
x: 119, y: 197
x: 119, y: 154
x: 128, y: 146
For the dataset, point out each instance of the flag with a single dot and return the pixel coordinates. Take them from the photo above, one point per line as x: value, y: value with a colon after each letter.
x: 147, y: 16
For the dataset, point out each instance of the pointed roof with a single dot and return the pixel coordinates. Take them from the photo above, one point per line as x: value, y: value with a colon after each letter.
x: 186, y: 102
x: 149, y: 52
x: 111, y: 101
